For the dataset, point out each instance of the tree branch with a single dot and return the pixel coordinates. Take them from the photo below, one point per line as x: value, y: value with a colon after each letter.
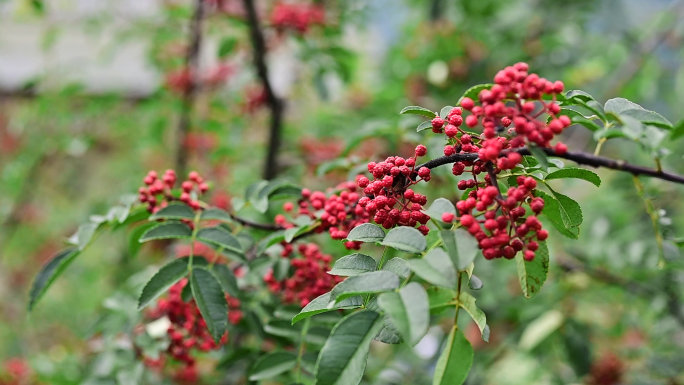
x: 255, y: 225
x: 578, y: 157
x: 274, y: 103
x: 189, y: 93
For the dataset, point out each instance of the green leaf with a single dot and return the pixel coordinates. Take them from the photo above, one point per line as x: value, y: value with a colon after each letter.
x: 571, y: 212
x: 134, y: 244
x: 215, y: 214
x: 532, y: 274
x: 409, y: 311
x: 576, y: 173
x: 255, y: 198
x: 578, y: 118
x: 353, y: 264
x: 415, y: 110
x: 577, y: 339
x: 577, y: 95
x: 475, y: 283
x: 424, y: 126
x: 440, y: 299
x: 461, y: 247
x: 167, y: 230
x: 49, y: 272
x: 678, y: 130
x: 439, y: 207
x: 160, y: 282
x: 389, y: 333
x: 221, y: 238
x: 467, y: 302
x: 226, y: 46
x: 282, y: 328
x: 474, y: 92
x: 343, y: 358
x: 227, y: 280
x: 83, y: 235
x: 455, y: 361
x: 435, y: 267
x: 211, y: 301
x: 406, y: 239
x: 281, y: 268
x: 174, y: 211
x: 444, y: 112
x: 270, y: 240
x: 280, y: 189
x: 648, y: 117
x: 552, y: 211
x: 539, y: 329
x: 618, y: 105
x: 271, y: 365
x: 398, y: 266
x: 321, y: 304
x: 540, y: 156
x: 373, y: 282
x: 366, y: 232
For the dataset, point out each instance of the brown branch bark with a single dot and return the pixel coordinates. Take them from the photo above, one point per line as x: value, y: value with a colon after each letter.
x: 578, y: 157
x: 190, y: 92
x: 275, y: 104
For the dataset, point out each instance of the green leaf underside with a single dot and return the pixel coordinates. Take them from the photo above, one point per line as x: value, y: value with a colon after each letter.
x: 407, y: 239
x: 366, y: 232
x: 215, y: 214
x: 455, y: 361
x: 221, y: 238
x: 271, y: 365
x: 409, y: 311
x: 424, y: 126
x: 343, y: 358
x: 321, y: 304
x: 439, y: 207
x: 475, y: 283
x: 162, y: 281
x: 467, y: 302
x: 373, y: 282
x: 416, y: 110
x: 435, y: 267
x: 211, y: 301
x: 174, y: 211
x: 352, y: 265
x: 49, y: 272
x: 576, y: 173
x: 398, y: 266
x: 167, y: 230
x: 461, y: 247
x: 444, y: 112
x: 532, y: 275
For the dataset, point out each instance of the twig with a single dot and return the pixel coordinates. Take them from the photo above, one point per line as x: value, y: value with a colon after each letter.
x: 274, y: 103
x: 578, y: 157
x: 492, y: 178
x: 189, y: 93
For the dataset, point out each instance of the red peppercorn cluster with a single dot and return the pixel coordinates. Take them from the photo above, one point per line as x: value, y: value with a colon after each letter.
x: 526, y: 92
x: 310, y: 278
x: 158, y: 192
x: 340, y: 212
x: 505, y: 228
x: 607, y: 370
x: 16, y: 371
x: 297, y: 16
x: 188, y: 330
x: 388, y: 198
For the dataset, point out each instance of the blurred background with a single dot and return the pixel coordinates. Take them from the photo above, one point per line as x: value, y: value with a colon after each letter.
x: 93, y: 95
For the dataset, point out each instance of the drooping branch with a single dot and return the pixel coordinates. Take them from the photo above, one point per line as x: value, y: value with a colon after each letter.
x: 275, y: 104
x: 189, y: 93
x: 578, y: 157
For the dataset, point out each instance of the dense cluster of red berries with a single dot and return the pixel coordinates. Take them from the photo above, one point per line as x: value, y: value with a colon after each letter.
x: 310, y: 278
x: 340, y: 212
x: 506, y: 228
x: 388, y: 198
x: 188, y: 330
x: 157, y: 192
x: 297, y: 16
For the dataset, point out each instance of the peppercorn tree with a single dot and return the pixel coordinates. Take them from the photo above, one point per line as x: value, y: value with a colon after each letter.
x: 321, y: 311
